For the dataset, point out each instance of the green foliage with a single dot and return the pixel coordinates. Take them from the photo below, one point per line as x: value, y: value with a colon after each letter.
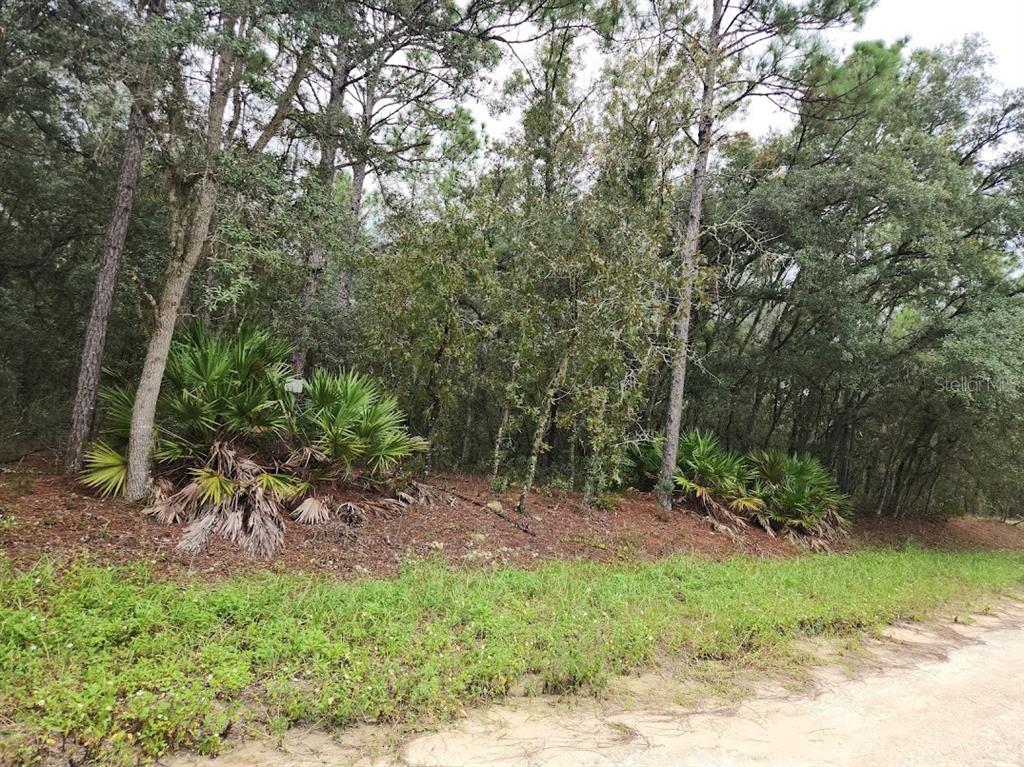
x: 858, y: 297
x: 124, y: 667
x: 794, y: 493
x: 226, y: 425
x: 706, y: 470
x: 641, y: 463
x: 233, y: 391
x: 107, y: 469
x: 347, y: 417
x: 799, y: 493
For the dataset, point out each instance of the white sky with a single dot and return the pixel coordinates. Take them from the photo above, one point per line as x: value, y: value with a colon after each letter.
x: 927, y: 23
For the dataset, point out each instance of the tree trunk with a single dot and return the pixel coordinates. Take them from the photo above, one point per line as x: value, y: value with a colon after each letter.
x: 358, y: 185
x: 103, y: 294
x: 498, y: 440
x: 688, y: 253
x: 542, y: 428
x: 467, y: 440
x: 140, y: 442
x: 192, y: 208
x: 360, y: 166
x: 590, y: 483
x: 344, y: 296
x: 327, y: 171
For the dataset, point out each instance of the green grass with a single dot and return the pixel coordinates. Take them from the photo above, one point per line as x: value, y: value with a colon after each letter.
x: 115, y: 664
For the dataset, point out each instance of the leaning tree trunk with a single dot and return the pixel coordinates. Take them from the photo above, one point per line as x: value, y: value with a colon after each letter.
x: 192, y: 214
x: 103, y: 294
x: 688, y: 254
x: 140, y: 441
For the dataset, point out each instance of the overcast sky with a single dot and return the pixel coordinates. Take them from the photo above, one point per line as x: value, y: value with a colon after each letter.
x: 927, y: 23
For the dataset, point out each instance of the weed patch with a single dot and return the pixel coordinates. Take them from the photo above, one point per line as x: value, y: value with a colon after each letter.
x: 115, y: 665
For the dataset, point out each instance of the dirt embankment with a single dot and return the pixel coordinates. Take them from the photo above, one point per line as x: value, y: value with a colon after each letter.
x: 43, y: 513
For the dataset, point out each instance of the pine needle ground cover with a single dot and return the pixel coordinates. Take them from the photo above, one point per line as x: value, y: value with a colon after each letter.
x: 115, y: 665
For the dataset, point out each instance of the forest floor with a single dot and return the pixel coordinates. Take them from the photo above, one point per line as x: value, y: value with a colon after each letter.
x: 46, y: 514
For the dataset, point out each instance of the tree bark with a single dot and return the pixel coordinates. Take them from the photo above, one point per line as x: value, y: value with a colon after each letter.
x: 498, y: 440
x: 140, y: 441
x: 360, y: 166
x: 688, y: 254
x: 84, y: 410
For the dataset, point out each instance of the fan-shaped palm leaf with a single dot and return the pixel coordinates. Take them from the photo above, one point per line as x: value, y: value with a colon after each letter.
x: 106, y: 469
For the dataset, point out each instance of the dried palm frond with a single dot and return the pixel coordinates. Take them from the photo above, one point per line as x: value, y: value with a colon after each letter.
x: 304, y: 457
x: 312, y: 511
x: 351, y: 514
x: 417, y: 492
x: 255, y: 522
x: 163, y: 488
x: 232, y: 497
x: 197, y: 535
x: 183, y: 505
x: 387, y: 507
x: 250, y: 517
x: 830, y: 529
x: 722, y: 519
x: 230, y: 461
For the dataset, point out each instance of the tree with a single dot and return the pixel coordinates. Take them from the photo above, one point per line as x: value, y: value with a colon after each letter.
x: 228, y: 54
x: 58, y: 109
x: 734, y: 30
x: 863, y: 283
x: 396, y: 79
x: 103, y: 294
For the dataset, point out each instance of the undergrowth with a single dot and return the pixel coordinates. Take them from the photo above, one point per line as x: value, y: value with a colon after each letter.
x: 115, y: 665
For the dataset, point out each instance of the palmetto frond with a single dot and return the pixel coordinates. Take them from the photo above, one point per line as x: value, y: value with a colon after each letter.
x: 312, y: 511
x: 106, y: 469
x: 800, y: 494
x: 281, y: 486
x: 641, y: 463
x: 214, y: 487
x: 746, y: 504
x: 116, y: 403
x: 391, y: 447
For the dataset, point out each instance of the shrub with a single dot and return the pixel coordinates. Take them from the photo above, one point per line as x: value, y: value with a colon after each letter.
x: 641, y: 464
x: 707, y: 470
x: 233, y: 446
x: 780, y: 492
x: 800, y: 494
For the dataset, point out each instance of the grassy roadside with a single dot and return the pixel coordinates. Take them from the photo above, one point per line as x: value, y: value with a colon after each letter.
x: 114, y: 665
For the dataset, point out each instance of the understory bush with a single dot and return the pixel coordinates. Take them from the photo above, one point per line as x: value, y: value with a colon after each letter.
x: 799, y: 493
x: 780, y: 492
x: 235, y: 449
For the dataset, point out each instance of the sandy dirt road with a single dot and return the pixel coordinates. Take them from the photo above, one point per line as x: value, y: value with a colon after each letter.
x: 936, y: 695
